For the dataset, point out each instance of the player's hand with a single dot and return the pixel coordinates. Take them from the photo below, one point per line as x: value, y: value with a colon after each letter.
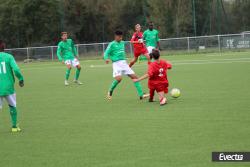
x: 107, y: 61
x: 140, y: 40
x: 21, y: 83
x: 135, y: 80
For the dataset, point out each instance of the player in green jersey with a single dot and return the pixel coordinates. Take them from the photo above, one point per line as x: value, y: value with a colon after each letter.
x: 116, y: 53
x: 9, y: 68
x: 66, y: 53
x: 151, y: 36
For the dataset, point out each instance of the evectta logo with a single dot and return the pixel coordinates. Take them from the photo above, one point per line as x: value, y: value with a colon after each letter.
x: 231, y: 156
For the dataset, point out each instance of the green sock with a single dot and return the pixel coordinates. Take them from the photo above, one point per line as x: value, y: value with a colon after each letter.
x: 77, y: 73
x: 67, y: 74
x: 138, y: 88
x: 113, y: 85
x: 13, y: 114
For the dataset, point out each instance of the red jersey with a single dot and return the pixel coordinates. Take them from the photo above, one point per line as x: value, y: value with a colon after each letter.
x: 157, y: 72
x: 136, y: 36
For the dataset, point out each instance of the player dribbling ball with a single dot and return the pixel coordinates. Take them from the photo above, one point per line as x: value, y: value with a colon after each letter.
x: 157, y: 77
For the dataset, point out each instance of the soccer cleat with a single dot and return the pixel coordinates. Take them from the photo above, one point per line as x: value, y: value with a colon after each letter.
x: 150, y: 100
x: 15, y: 129
x: 66, y: 83
x: 77, y: 82
x: 163, y: 101
x: 144, y: 96
x: 109, y: 96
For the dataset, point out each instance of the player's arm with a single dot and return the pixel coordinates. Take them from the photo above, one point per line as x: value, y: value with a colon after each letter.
x: 158, y: 40
x: 169, y: 65
x: 141, y: 78
x: 144, y: 35
x: 73, y: 48
x: 59, y: 52
x: 17, y: 71
x: 107, y: 53
x: 133, y: 39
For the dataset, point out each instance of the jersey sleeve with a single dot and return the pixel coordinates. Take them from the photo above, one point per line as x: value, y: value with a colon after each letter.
x: 169, y: 65
x: 107, y: 51
x: 16, y: 69
x: 133, y: 38
x: 73, y: 48
x: 144, y: 35
x: 150, y: 71
x: 59, y: 52
x: 157, y: 36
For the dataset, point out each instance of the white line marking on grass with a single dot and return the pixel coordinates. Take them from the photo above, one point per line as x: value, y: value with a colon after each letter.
x: 176, y: 62
x: 191, y: 62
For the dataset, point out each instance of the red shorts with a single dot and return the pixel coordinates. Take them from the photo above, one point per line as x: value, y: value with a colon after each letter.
x: 158, y: 87
x: 140, y: 51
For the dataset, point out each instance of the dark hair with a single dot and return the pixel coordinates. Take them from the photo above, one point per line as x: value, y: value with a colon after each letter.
x: 64, y: 32
x: 2, y: 46
x: 150, y: 23
x: 155, y: 54
x: 118, y: 32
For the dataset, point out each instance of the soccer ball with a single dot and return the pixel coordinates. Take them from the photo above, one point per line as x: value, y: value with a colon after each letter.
x: 175, y: 93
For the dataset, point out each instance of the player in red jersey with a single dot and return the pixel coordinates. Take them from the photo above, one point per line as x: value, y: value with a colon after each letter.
x: 157, y: 74
x: 139, y: 46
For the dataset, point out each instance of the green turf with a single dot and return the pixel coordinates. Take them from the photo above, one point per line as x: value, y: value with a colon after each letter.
x: 76, y: 126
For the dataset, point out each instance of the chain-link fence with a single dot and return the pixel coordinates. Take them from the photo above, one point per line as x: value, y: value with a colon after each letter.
x: 185, y: 45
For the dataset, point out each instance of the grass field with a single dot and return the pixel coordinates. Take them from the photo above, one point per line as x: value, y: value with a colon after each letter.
x: 76, y: 125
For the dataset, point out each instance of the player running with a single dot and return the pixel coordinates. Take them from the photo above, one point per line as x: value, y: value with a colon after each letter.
x: 139, y: 46
x: 157, y: 74
x: 151, y: 36
x: 116, y: 53
x: 66, y: 53
x: 9, y: 68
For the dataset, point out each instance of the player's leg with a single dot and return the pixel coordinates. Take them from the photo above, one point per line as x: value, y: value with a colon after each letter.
x: 136, y: 55
x: 68, y: 64
x: 133, y: 61
x: 151, y: 95
x: 117, y: 75
x: 78, y: 67
x: 138, y: 87
x: 148, y: 57
x: 11, y: 100
x: 162, y: 98
x: 116, y: 81
x: 162, y: 90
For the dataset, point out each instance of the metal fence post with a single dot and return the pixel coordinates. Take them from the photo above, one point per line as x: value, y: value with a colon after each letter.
x: 219, y: 43
x: 77, y: 50
x: 52, y: 53
x: 188, y: 44
x: 27, y: 54
x: 103, y: 48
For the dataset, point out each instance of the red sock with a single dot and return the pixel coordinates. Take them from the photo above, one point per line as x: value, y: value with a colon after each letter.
x: 151, y: 94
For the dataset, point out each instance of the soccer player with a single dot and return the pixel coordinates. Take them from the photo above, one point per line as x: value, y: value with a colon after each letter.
x: 151, y: 36
x: 157, y: 74
x: 139, y: 46
x: 9, y: 68
x: 116, y: 53
x: 66, y: 53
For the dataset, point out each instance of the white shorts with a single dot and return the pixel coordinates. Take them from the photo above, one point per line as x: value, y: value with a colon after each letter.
x: 121, y: 68
x: 73, y: 63
x: 150, y: 49
x: 11, y: 100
